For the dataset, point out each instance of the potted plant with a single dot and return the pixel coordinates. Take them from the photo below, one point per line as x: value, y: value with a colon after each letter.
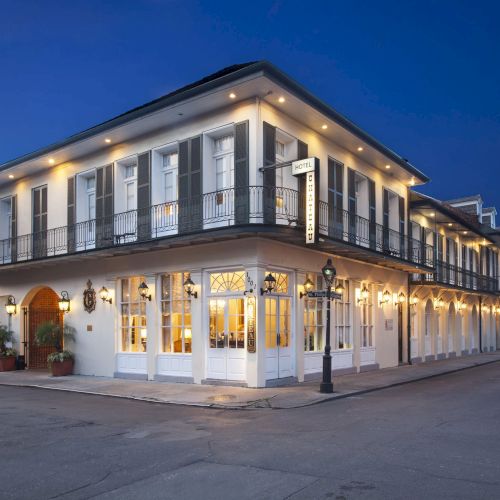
x: 7, y: 354
x: 52, y: 334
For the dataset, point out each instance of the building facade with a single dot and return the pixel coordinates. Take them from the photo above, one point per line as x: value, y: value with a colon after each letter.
x: 176, y: 213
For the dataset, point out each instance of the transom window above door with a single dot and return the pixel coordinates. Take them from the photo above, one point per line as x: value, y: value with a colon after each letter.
x: 227, y: 282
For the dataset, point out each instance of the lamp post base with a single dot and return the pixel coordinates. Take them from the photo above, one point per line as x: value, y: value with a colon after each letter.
x: 326, y: 387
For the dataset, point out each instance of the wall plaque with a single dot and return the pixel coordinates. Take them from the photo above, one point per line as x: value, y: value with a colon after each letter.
x: 89, y: 298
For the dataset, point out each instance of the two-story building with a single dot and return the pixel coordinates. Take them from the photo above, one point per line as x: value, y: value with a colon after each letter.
x: 200, y: 219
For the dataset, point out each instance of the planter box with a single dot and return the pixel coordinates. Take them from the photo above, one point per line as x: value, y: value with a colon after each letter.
x: 62, y: 368
x: 7, y: 363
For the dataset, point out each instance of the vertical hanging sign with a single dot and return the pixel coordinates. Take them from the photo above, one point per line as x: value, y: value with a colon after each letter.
x: 310, y: 168
x: 251, y: 347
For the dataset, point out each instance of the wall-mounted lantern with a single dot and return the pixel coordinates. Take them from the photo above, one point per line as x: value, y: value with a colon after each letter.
x: 308, y: 286
x: 401, y: 298
x: 385, y: 299
x: 461, y: 306
x: 64, y: 302
x: 269, y: 284
x: 105, y: 295
x: 363, y: 295
x: 144, y: 291
x: 413, y: 301
x: 438, y: 303
x: 189, y: 287
x: 10, y: 306
x: 340, y: 288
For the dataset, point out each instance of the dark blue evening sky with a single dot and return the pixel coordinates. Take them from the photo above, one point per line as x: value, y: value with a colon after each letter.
x: 423, y: 77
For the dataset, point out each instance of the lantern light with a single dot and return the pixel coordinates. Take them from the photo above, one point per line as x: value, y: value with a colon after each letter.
x: 308, y: 286
x: 269, y: 283
x: 10, y: 306
x: 64, y: 302
x: 329, y: 273
x: 144, y: 291
x: 386, y: 297
x: 189, y: 287
x: 105, y: 295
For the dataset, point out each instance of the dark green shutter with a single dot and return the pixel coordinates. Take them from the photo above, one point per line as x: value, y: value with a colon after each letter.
x: 401, y: 227
x: 71, y: 215
x: 269, y: 177
x: 335, y: 199
x: 144, y: 196
x: 302, y: 153
x: 385, y: 220
x: 351, y: 203
x: 241, y: 174
x: 104, y: 207
x: 39, y: 244
x: 423, y: 247
x: 13, y: 228
x: 190, y: 185
x: 372, y: 214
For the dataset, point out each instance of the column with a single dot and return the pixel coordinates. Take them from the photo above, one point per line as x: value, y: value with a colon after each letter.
x: 199, y: 328
x: 256, y: 362
x: 153, y: 337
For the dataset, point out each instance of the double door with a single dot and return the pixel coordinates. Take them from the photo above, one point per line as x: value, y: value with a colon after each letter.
x: 226, y: 342
x: 279, y: 349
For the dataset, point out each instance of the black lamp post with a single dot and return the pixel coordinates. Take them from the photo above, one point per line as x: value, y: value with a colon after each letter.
x: 329, y: 273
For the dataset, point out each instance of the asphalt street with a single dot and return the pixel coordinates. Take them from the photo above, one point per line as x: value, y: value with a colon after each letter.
x: 437, y: 438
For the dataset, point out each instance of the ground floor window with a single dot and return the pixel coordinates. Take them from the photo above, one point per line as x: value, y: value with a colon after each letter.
x: 314, y: 318
x: 133, y: 316
x: 366, y: 318
x: 175, y: 314
x: 342, y: 317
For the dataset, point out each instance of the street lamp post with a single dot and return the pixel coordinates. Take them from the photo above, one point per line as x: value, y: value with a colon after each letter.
x: 329, y: 273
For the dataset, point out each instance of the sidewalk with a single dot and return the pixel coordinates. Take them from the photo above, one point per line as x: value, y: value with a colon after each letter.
x: 212, y: 396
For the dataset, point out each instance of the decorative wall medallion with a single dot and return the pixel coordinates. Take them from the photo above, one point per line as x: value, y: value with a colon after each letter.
x: 89, y: 298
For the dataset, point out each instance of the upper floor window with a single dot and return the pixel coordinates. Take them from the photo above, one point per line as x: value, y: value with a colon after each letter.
x: 224, y: 162
x: 280, y: 152
x: 130, y: 184
x: 170, y: 172
x: 90, y: 188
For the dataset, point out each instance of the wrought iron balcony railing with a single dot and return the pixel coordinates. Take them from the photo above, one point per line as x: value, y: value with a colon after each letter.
x: 230, y: 207
x: 447, y: 274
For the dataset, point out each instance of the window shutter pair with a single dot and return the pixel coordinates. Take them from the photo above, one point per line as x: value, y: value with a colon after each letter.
x: 13, y: 228
x: 269, y: 175
x: 335, y: 199
x: 351, y: 204
x: 39, y: 243
x: 241, y: 174
x: 190, y: 202
x: 104, y: 209
x: 144, y: 196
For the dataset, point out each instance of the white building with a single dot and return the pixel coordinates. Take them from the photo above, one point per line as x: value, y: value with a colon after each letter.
x: 198, y: 184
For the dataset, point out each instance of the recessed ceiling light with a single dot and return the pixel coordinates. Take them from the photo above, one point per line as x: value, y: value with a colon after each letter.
x: 387, y: 167
x: 412, y: 181
x: 232, y: 95
x: 450, y: 224
x: 432, y: 214
x: 11, y: 176
x: 108, y: 140
x: 360, y: 148
x: 465, y: 232
x: 51, y: 161
x: 281, y: 99
x: 324, y: 126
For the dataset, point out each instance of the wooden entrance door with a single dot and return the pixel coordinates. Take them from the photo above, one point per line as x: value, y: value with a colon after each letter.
x: 43, y: 308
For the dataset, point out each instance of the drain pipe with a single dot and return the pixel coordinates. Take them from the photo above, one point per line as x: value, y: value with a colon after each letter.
x: 480, y: 324
x: 408, y: 318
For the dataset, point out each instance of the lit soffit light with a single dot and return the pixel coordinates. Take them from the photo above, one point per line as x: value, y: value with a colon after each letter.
x: 360, y: 148
x: 324, y: 126
x: 52, y: 161
x: 232, y: 95
x: 466, y: 232
x: 107, y: 140
x: 450, y: 224
x: 281, y: 99
x: 432, y: 214
x: 387, y: 166
x: 11, y: 176
x: 412, y: 181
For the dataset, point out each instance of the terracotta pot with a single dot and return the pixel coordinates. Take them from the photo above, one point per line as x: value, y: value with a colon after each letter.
x: 7, y: 363
x: 62, y: 368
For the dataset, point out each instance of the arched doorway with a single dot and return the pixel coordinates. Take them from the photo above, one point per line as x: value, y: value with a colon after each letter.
x: 428, y: 318
x: 452, y: 328
x: 39, y: 306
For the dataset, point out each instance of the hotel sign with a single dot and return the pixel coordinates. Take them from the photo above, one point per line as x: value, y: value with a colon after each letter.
x: 310, y: 168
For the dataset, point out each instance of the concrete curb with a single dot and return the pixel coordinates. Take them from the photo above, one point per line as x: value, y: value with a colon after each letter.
x: 256, y: 404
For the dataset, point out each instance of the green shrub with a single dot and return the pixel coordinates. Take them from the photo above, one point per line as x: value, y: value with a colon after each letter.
x: 52, y: 334
x: 59, y: 357
x: 6, y: 335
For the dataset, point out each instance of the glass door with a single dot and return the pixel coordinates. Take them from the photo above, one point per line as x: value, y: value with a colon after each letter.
x: 226, y: 344
x: 279, y: 363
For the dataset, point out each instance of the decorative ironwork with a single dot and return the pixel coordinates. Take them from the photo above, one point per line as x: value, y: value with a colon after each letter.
x: 89, y: 298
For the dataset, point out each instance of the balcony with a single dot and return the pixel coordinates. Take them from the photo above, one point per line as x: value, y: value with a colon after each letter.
x: 275, y: 212
x: 459, y: 278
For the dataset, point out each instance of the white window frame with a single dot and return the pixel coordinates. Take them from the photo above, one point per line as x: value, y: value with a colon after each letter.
x: 317, y: 326
x: 342, y: 318
x: 132, y: 300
